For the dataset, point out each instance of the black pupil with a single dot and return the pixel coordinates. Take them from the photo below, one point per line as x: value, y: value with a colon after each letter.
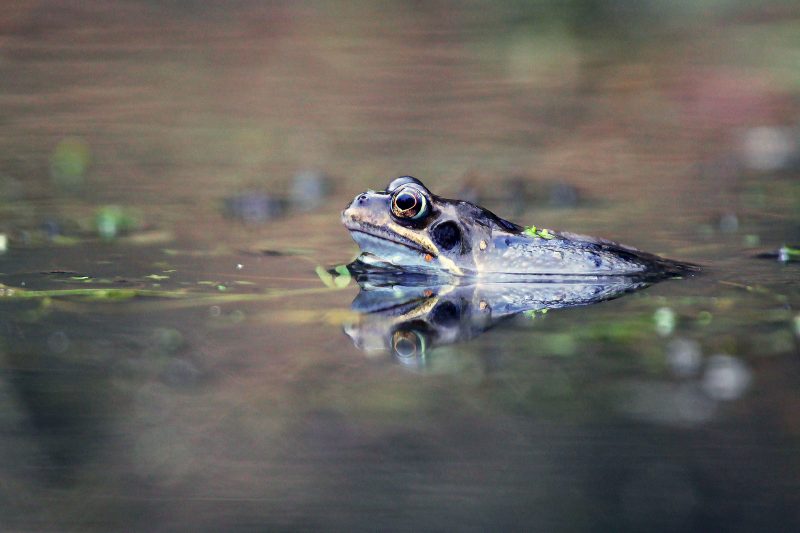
x: 405, y: 201
x: 405, y: 347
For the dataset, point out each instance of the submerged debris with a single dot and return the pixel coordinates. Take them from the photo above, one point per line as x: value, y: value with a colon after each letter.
x: 253, y: 207
x: 520, y: 193
x: 768, y: 148
x: 684, y: 357
x: 309, y: 189
x: 726, y: 377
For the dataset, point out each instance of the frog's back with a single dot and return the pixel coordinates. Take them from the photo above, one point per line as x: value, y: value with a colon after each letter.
x: 570, y: 254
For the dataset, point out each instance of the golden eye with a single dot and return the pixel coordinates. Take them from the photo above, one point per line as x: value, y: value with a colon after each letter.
x: 409, y: 203
x: 408, y: 345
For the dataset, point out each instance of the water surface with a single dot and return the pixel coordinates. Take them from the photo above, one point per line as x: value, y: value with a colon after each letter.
x: 190, y: 164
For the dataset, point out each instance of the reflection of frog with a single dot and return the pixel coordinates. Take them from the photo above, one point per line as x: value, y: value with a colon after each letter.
x: 409, y: 316
x: 409, y: 227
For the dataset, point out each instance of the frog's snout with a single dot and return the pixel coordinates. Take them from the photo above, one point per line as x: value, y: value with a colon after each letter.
x: 346, y: 214
x: 359, y: 202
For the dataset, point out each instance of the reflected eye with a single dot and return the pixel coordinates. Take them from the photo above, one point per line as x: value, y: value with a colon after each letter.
x: 408, y: 345
x: 409, y: 203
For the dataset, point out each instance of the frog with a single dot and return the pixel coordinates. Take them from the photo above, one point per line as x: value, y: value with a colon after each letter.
x: 406, y: 226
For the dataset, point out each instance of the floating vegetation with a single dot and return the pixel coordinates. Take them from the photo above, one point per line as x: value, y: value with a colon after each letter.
x: 147, y: 238
x: 111, y: 294
x: 540, y: 233
x: 179, y: 297
x: 787, y: 253
x: 704, y: 318
x: 216, y: 252
x: 784, y: 254
x: 337, y: 278
x: 64, y: 240
x: 533, y: 313
x: 665, y: 319
x: 751, y: 240
x: 113, y: 220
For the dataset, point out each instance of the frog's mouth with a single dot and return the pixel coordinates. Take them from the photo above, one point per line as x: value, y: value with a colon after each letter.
x: 377, y: 239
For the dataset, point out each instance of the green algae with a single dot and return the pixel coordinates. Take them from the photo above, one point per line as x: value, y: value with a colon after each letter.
x: 539, y: 233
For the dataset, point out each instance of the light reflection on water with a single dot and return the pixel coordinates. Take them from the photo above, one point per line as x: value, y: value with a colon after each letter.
x: 192, y: 164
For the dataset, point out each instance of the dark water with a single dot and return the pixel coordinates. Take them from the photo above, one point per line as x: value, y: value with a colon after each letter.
x: 176, y: 355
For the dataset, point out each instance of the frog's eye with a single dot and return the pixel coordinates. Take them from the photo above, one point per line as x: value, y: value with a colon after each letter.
x: 408, y: 345
x: 409, y: 203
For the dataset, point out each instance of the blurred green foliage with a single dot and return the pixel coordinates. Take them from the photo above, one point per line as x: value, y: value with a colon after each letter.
x: 112, y: 221
x: 69, y: 163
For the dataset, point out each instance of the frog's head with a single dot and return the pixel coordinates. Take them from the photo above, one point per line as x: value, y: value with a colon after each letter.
x: 407, y: 225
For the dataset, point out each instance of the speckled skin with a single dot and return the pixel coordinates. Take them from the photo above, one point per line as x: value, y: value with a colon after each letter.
x: 487, y: 246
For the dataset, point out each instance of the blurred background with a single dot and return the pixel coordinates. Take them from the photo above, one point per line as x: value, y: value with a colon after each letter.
x: 163, y: 104
x: 186, y: 147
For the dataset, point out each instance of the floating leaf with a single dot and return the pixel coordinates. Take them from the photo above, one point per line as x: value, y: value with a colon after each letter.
x: 787, y: 253
x: 344, y: 277
x: 530, y: 230
x: 540, y: 233
x: 325, y: 277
